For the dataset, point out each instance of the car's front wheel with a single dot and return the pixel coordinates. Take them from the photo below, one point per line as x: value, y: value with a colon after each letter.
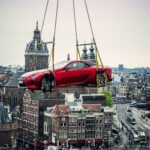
x: 48, y: 83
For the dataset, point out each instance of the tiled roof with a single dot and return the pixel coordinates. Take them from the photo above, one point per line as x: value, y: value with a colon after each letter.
x: 13, y: 81
x: 92, y: 107
x: 58, y: 109
x: 3, y: 114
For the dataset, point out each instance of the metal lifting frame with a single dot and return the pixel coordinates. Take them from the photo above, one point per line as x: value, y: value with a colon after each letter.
x: 98, y: 58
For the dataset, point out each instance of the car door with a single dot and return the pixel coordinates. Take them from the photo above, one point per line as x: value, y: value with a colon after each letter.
x: 73, y: 73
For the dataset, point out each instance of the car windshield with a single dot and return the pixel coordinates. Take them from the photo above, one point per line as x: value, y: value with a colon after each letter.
x: 59, y: 65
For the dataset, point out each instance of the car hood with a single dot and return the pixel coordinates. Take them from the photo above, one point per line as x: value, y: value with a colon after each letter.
x: 33, y: 73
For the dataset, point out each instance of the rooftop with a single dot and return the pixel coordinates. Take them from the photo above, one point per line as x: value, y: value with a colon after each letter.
x: 58, y: 109
x: 13, y: 81
x: 93, y: 107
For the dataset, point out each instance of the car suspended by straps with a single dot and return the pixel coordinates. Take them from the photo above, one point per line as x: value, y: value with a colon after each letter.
x: 66, y: 73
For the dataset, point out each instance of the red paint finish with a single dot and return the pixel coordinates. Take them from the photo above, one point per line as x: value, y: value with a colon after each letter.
x: 66, y: 73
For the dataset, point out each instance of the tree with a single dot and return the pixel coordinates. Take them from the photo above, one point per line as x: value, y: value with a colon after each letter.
x: 108, y: 98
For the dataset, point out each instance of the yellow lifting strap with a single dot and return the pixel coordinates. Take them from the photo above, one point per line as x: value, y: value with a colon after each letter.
x: 78, y: 52
x: 77, y: 48
x: 98, y: 58
x: 53, y: 47
x: 52, y: 56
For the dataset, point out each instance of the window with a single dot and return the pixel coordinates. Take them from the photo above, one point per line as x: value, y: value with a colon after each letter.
x: 45, y: 128
x: 77, y: 65
x: 63, y: 118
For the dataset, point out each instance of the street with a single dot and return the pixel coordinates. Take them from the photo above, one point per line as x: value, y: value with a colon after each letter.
x: 126, y: 141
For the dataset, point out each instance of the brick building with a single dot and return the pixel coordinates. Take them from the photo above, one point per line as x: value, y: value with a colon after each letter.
x: 88, y: 125
x: 31, y: 120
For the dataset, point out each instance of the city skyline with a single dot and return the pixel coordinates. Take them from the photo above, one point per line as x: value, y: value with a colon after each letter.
x: 121, y: 29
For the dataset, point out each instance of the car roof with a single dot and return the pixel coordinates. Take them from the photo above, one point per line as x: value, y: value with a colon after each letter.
x: 86, y: 61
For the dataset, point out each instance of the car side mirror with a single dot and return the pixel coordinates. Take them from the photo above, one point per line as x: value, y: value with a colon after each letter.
x: 68, y: 68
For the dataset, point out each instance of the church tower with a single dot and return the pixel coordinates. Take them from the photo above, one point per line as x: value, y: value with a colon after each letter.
x: 84, y: 54
x: 91, y: 54
x: 36, y: 53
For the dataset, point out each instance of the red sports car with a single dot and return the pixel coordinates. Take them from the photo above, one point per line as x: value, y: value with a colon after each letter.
x: 66, y: 73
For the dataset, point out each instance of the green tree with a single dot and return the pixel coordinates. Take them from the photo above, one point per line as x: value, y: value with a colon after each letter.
x: 108, y: 98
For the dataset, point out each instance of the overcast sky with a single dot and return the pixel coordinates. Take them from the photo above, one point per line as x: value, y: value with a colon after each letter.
x: 121, y: 27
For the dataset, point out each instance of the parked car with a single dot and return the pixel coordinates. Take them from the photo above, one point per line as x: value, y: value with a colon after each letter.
x: 135, y: 129
x: 133, y: 104
x: 131, y: 119
x: 114, y: 132
x: 135, y: 137
x: 129, y: 110
x: 66, y: 73
x: 142, y: 137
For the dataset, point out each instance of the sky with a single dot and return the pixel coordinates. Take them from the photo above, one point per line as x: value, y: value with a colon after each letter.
x: 121, y: 29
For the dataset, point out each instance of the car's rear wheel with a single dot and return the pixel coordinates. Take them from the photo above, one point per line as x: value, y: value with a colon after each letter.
x: 101, y: 79
x: 47, y: 83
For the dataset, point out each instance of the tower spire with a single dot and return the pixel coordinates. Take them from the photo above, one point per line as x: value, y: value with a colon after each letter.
x: 36, y: 25
x: 84, y: 54
x: 37, y: 34
x: 68, y: 57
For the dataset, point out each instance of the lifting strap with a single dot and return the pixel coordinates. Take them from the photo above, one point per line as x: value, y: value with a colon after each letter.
x: 98, y: 58
x: 35, y: 58
x: 44, y: 16
x: 53, y: 46
x: 52, y: 54
x: 55, y: 25
x: 77, y: 48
